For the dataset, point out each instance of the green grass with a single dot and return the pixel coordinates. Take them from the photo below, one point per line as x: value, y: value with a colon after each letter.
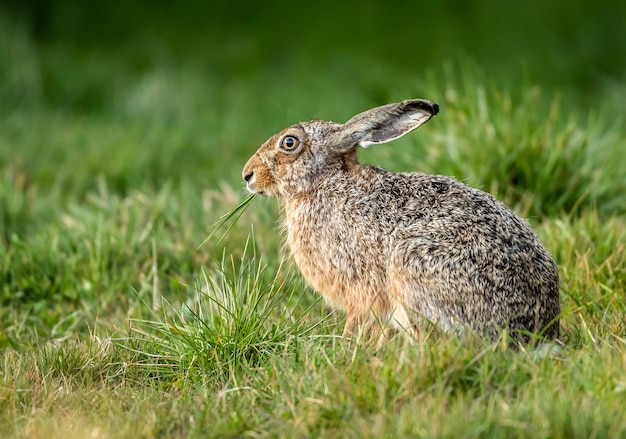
x: 133, y: 305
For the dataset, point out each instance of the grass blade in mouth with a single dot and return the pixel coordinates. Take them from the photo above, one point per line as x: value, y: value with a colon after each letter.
x: 232, y: 216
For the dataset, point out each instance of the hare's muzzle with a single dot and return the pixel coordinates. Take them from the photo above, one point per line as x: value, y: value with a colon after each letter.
x: 249, y: 175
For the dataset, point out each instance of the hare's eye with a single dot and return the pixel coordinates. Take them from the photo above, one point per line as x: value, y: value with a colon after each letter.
x: 289, y: 143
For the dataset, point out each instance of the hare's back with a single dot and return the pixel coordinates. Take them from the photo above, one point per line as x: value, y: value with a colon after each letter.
x: 442, y: 207
x: 446, y: 226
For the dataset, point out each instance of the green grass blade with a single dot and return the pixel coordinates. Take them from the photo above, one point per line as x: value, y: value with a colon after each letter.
x: 232, y: 216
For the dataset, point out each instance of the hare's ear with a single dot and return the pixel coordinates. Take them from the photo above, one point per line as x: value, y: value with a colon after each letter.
x: 386, y: 123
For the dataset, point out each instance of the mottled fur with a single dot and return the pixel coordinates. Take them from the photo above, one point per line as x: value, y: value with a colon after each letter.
x: 403, y: 247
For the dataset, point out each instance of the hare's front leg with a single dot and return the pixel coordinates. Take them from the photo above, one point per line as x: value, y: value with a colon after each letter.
x: 363, y: 324
x: 359, y: 324
x: 373, y: 321
x: 352, y: 321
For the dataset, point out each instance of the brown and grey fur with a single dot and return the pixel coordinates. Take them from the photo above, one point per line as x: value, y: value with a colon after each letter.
x: 400, y: 247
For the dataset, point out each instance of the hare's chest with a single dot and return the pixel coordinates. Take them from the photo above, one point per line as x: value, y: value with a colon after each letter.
x: 334, y: 255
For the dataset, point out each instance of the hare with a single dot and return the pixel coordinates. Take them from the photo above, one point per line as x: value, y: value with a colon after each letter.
x: 402, y: 248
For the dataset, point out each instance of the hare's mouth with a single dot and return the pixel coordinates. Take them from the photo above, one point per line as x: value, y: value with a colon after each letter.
x: 262, y: 193
x: 252, y: 190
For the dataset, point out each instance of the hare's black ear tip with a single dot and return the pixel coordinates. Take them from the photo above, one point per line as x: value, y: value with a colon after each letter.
x: 427, y: 106
x: 431, y: 107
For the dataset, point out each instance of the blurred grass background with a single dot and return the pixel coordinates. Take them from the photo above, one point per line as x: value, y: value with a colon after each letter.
x: 124, y: 126
x: 170, y: 83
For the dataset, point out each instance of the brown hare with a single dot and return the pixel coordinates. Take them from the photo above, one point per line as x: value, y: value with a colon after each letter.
x: 399, y: 248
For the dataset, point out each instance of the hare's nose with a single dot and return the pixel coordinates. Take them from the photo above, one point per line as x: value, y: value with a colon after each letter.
x: 247, y: 177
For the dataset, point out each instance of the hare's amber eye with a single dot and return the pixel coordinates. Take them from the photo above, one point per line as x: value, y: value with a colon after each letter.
x: 289, y: 143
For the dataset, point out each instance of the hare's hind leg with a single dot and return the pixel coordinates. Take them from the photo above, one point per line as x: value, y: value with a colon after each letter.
x: 421, y: 293
x: 401, y: 319
x: 418, y: 305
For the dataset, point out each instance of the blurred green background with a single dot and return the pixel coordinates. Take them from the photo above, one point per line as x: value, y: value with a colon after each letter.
x: 211, y: 65
x: 124, y: 125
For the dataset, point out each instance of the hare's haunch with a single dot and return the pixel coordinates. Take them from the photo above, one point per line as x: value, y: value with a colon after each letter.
x: 403, y: 248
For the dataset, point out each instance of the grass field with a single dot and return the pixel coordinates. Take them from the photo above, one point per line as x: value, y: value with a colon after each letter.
x: 123, y: 131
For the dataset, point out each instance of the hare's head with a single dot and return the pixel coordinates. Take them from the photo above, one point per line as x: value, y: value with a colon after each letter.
x: 291, y: 161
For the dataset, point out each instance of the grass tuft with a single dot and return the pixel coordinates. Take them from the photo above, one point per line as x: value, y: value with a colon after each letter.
x: 237, y: 317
